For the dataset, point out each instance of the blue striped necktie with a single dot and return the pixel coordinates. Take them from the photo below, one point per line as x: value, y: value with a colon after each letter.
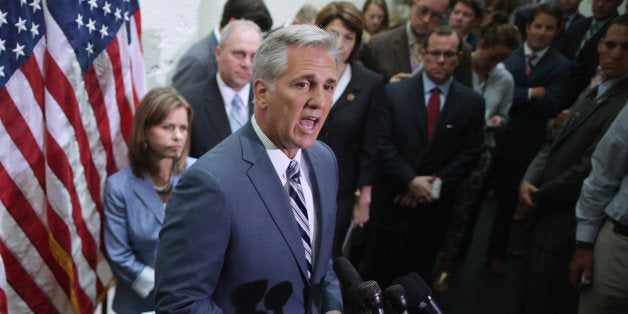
x: 297, y: 202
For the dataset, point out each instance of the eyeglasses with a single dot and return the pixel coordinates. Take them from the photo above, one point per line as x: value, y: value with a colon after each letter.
x: 434, y: 16
x: 437, y: 53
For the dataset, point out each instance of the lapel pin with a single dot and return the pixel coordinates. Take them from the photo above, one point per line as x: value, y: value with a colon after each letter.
x: 350, y: 97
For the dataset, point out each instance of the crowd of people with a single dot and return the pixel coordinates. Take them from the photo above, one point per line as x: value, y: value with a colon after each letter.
x: 377, y: 135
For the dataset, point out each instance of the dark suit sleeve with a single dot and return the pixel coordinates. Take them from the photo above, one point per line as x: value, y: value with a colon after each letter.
x: 391, y: 160
x: 189, y: 71
x: 548, y: 107
x: 369, y: 150
x: 190, y: 258
x: 473, y: 145
x: 570, y: 181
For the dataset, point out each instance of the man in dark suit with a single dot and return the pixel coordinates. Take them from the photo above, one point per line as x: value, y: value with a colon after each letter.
x: 395, y: 53
x: 432, y: 129
x: 223, y: 102
x: 540, y: 75
x: 579, y: 43
x: 570, y: 15
x: 464, y: 16
x: 250, y: 226
x: 552, y: 183
x: 199, y: 62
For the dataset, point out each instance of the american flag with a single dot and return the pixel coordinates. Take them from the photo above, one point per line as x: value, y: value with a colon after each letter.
x: 71, y: 75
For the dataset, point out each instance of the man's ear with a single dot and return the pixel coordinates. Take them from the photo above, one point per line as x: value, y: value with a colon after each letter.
x: 261, y: 90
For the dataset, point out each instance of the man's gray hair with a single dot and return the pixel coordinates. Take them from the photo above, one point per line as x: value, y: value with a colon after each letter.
x: 271, y: 59
x: 233, y: 25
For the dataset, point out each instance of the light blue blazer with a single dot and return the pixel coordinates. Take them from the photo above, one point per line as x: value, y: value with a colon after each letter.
x: 230, y: 242
x: 134, y: 214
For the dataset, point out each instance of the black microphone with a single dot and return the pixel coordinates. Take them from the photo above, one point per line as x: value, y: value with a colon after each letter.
x: 370, y: 295
x: 347, y: 275
x: 395, y: 299
x: 432, y: 306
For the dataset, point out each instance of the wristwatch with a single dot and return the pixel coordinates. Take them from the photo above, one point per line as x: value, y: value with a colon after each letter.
x: 584, y: 245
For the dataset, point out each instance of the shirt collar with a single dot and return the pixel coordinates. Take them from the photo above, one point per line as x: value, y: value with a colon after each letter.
x: 539, y: 54
x: 428, y: 85
x: 279, y: 160
x: 217, y: 33
x: 228, y: 93
x: 608, y: 84
x: 411, y: 36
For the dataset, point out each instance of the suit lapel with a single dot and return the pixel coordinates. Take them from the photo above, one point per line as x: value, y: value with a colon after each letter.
x: 353, y: 88
x: 400, y: 50
x: 215, y: 109
x: 419, y: 109
x: 143, y: 189
x: 272, y: 193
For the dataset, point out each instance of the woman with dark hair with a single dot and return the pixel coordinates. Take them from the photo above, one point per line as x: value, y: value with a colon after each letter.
x: 498, y: 39
x: 135, y: 197
x: 375, y: 16
x: 351, y: 127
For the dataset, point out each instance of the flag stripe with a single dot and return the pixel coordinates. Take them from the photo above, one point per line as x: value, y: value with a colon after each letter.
x: 126, y: 116
x: 24, y: 285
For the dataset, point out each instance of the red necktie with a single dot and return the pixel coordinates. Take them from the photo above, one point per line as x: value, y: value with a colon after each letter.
x: 433, y: 111
x: 531, y: 56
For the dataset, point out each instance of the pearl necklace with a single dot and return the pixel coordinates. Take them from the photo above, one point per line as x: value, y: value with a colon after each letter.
x: 165, y: 189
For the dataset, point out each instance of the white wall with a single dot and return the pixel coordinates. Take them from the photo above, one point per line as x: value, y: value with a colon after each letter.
x: 170, y: 27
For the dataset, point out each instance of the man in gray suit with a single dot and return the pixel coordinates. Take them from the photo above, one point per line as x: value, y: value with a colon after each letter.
x: 199, y: 62
x: 223, y: 102
x: 250, y: 226
x: 552, y: 183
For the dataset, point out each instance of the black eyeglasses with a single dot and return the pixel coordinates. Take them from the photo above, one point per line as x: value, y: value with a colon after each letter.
x: 447, y: 53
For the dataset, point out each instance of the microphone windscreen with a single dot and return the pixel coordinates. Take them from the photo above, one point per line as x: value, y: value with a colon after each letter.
x: 346, y: 273
x: 395, y: 296
x: 421, y: 282
x: 368, y: 289
x: 414, y: 293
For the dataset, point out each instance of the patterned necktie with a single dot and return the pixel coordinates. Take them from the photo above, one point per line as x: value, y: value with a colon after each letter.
x: 590, y: 32
x: 433, y: 111
x: 529, y: 63
x: 238, y: 113
x: 297, y: 202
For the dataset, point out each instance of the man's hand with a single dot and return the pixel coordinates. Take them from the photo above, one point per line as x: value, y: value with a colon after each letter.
x: 406, y: 199
x: 399, y: 76
x: 581, y: 266
x: 361, y: 209
x: 525, y: 195
x: 538, y: 92
x: 421, y: 189
x: 495, y: 121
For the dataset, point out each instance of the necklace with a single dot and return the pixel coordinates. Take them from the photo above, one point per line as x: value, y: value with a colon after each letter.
x: 165, y: 189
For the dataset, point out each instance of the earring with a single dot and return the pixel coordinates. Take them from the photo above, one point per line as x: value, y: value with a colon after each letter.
x: 144, y: 144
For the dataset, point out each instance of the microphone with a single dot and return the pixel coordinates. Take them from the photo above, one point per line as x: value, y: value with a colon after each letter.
x: 347, y: 275
x: 395, y: 298
x: 370, y: 296
x: 417, y: 296
x: 427, y: 292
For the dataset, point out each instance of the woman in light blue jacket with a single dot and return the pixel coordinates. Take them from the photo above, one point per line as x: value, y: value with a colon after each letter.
x: 135, y: 197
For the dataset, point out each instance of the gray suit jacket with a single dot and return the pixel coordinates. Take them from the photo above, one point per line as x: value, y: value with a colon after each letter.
x: 561, y: 166
x: 133, y: 216
x: 197, y: 64
x: 230, y: 241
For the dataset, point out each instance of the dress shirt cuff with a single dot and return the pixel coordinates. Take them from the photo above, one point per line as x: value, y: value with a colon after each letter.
x: 145, y: 282
x: 529, y: 93
x: 587, y: 232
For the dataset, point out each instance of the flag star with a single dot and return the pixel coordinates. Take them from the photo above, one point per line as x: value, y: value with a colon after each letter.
x: 35, y: 5
x: 117, y: 14
x: 19, y: 51
x: 103, y: 31
x: 2, y: 48
x: 20, y: 25
x: 3, y: 18
x: 90, y: 25
x: 92, y: 4
x: 107, y: 8
x: 126, y: 16
x: 79, y: 20
x: 35, y: 29
x: 1, y: 71
x: 22, y: 3
x: 89, y: 49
